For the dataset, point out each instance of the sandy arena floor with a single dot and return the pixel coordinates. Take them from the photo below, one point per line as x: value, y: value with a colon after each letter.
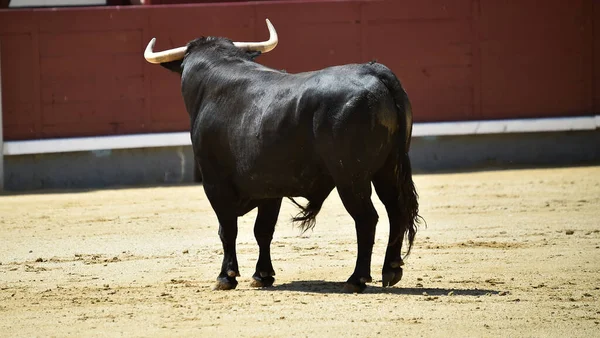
x: 505, y: 253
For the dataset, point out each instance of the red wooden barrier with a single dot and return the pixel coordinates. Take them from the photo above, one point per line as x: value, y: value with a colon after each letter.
x: 80, y: 71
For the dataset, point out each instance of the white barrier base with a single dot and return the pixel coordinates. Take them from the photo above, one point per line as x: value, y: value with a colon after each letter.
x: 183, y: 138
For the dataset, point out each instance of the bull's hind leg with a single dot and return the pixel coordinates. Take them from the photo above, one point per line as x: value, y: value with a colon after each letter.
x: 389, y: 196
x: 393, y: 184
x: 357, y: 200
x: 268, y: 211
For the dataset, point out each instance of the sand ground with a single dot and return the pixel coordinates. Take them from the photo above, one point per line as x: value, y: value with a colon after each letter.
x: 505, y: 254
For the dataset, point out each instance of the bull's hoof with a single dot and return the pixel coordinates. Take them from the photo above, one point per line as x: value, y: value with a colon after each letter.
x: 354, y: 288
x: 262, y: 282
x: 356, y: 284
x: 391, y: 276
x: 225, y: 283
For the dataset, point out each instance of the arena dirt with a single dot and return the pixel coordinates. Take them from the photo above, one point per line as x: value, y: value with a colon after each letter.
x: 505, y: 253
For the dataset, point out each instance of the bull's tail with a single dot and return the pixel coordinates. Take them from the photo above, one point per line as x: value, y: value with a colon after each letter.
x: 403, y: 107
x: 409, y: 200
x: 408, y: 197
x: 307, y: 217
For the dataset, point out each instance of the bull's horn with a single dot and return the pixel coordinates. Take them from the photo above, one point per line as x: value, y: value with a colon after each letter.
x: 164, y: 56
x: 265, y: 46
x: 179, y: 53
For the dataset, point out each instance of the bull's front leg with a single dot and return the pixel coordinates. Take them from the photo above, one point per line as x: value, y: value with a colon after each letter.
x: 264, y: 227
x: 229, y: 269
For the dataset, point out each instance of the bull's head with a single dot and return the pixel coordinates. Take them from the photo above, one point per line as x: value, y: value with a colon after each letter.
x: 178, y: 53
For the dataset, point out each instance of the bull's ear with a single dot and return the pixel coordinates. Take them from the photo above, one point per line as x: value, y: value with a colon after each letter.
x: 253, y: 54
x: 174, y: 66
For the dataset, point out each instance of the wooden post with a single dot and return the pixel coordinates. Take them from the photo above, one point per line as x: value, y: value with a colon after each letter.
x: 1, y: 130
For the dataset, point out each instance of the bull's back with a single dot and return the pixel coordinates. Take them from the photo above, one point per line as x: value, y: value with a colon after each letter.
x: 293, y: 132
x: 356, y: 135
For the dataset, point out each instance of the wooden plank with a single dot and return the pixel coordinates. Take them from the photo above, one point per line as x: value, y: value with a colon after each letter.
x: 587, y: 54
x: 476, y: 58
x: 93, y: 112
x: 36, y: 84
x: 312, y: 38
x: 168, y: 110
x: 308, y: 13
x: 417, y: 10
x: 91, y: 90
x: 439, y: 93
x: 433, y: 59
x: 527, y: 19
x: 176, y: 26
x: 17, y: 115
x: 76, y: 66
x: 535, y: 59
x: 417, y: 43
x: 18, y: 73
x: 90, y: 43
x: 310, y: 51
x: 20, y: 92
x: 75, y: 130
x: 91, y: 19
x: 17, y: 21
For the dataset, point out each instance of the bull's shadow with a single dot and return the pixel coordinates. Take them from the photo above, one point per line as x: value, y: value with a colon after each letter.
x: 320, y: 286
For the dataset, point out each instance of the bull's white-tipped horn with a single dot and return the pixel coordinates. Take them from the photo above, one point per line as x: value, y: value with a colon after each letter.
x: 179, y: 52
x: 164, y: 56
x: 263, y: 47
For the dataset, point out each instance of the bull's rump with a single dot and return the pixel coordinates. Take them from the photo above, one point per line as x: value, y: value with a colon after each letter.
x: 339, y: 123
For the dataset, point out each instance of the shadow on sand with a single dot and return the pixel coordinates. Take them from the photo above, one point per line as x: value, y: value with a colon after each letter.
x: 320, y: 286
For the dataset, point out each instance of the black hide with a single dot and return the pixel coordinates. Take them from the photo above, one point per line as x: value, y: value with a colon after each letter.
x: 261, y: 134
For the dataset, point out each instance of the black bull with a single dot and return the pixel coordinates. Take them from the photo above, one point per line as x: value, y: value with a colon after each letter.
x: 261, y: 134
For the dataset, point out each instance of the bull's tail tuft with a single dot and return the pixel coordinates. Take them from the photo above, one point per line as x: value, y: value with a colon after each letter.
x: 307, y: 217
x: 409, y: 200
